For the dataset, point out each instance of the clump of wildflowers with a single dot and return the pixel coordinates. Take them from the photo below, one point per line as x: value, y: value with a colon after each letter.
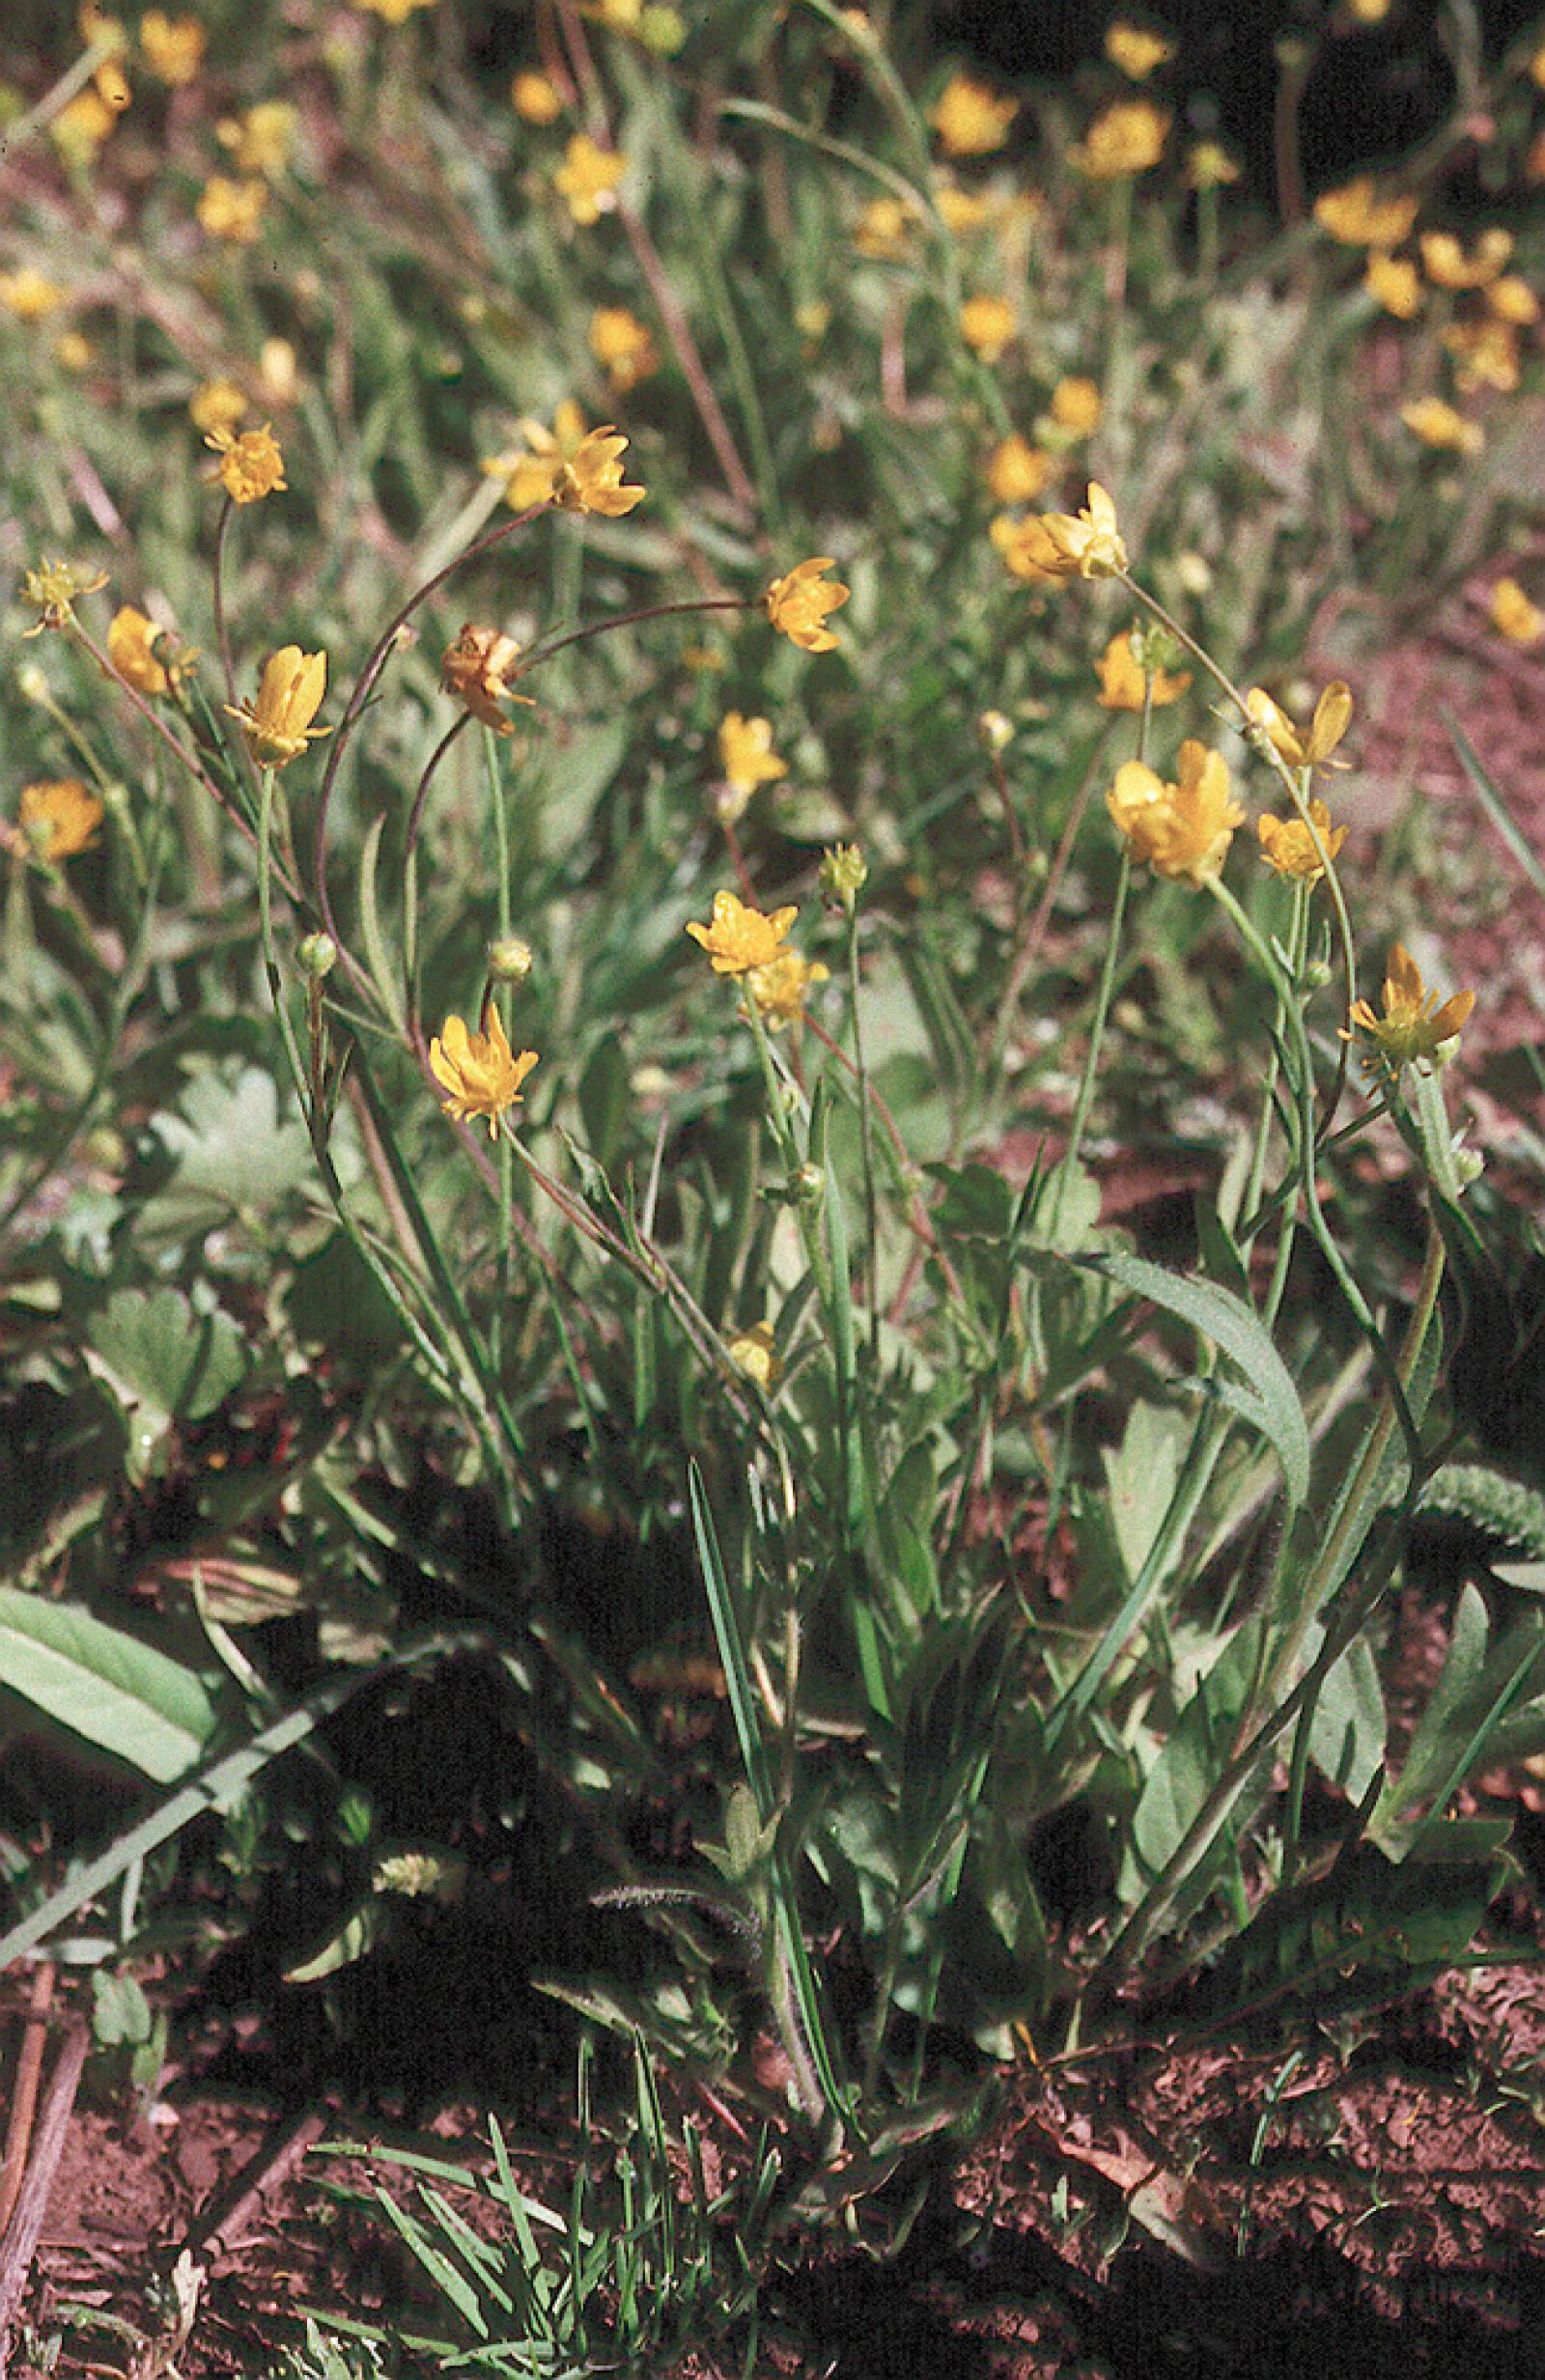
x: 1126, y: 138
x: 1362, y: 216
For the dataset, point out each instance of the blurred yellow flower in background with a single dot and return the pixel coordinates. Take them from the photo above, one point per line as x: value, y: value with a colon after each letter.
x: 798, y: 603
x: 1397, y: 284
x: 1514, y: 616
x: 392, y: 11
x: 1123, y: 679
x: 883, y: 230
x: 987, y: 324
x: 1136, y: 52
x: 1437, y: 424
x: 745, y: 752
x: 535, y: 99
x: 1287, y: 846
x: 1485, y: 355
x: 29, y: 296
x: 622, y: 347
x: 1447, y: 262
x: 232, y: 210
x: 1127, y: 137
x: 1017, y: 471
x: 216, y: 404
x: 589, y: 179
x: 261, y: 140
x: 970, y: 119
x: 173, y: 46
x: 1076, y: 406
x: 59, y: 818
x: 740, y: 939
x: 1209, y: 166
x: 751, y: 1351
x: 1360, y: 217
x: 479, y: 1070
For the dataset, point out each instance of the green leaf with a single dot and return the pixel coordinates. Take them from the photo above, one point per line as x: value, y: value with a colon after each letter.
x: 358, y: 1934
x: 161, y: 1356
x: 1347, y: 1732
x: 103, y: 1685
x: 387, y: 978
x: 229, y: 1153
x: 1141, y: 1476
x: 1268, y: 1398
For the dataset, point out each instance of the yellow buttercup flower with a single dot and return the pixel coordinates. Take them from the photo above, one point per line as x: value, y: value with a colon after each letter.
x: 278, y: 726
x: 741, y: 940
x: 1136, y: 52
x: 961, y: 211
x: 1372, y: 12
x: 1123, y: 679
x: 752, y: 1352
x: 987, y: 326
x: 779, y: 988
x: 1287, y: 846
x: 477, y: 669
x: 1446, y: 261
x: 1485, y: 355
x: 589, y: 179
x: 535, y: 99
x: 1209, y: 166
x: 74, y: 351
x: 173, y: 46
x: 216, y: 404
x: 260, y: 142
x: 745, y: 753
x: 1128, y: 137
x: 1360, y: 217
x: 883, y: 230
x: 1513, y: 300
x: 591, y: 481
x: 1182, y: 830
x: 29, y: 296
x: 479, y: 1070
x: 622, y: 347
x: 970, y: 119
x: 132, y: 650
x: 1397, y: 284
x: 1414, y: 1029
x: 1514, y: 616
x: 251, y: 465
x: 1437, y: 424
x: 532, y: 472
x: 798, y: 603
x: 232, y: 210
x: 1076, y: 406
x: 59, y: 818
x: 56, y: 588
x: 1332, y: 716
x: 1017, y: 471
x: 1084, y: 545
